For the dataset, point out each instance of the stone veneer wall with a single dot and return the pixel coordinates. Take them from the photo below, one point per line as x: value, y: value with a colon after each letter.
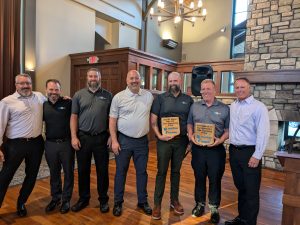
x: 273, y: 43
x: 273, y: 35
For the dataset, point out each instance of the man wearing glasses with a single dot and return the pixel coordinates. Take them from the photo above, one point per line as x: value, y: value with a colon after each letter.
x: 21, y: 116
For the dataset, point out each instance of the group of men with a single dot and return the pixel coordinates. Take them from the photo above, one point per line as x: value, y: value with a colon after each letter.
x: 94, y: 121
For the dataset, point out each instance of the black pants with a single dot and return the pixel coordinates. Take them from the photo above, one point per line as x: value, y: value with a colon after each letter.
x: 60, y: 155
x: 167, y: 151
x: 247, y: 181
x: 15, y: 151
x: 96, y: 146
x: 208, y: 162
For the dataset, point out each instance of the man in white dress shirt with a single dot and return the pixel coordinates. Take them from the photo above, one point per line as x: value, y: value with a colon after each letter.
x: 21, y: 116
x: 249, y: 132
x: 129, y: 126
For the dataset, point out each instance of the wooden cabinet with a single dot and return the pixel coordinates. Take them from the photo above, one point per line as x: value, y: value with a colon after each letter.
x: 114, y: 65
x: 291, y: 195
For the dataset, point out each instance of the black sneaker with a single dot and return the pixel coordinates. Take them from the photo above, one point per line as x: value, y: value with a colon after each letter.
x: 117, y: 210
x: 215, y: 217
x: 104, y: 207
x: 198, y: 210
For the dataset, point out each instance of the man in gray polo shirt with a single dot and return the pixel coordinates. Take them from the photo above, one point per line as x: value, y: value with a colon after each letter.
x: 129, y: 126
x: 89, y: 132
x: 208, y: 160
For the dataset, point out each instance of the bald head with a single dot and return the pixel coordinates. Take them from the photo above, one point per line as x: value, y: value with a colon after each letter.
x: 133, y: 81
x: 174, y: 82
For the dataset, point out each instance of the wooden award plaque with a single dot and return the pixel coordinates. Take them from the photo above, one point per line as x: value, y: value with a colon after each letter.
x: 170, y: 126
x: 204, y: 133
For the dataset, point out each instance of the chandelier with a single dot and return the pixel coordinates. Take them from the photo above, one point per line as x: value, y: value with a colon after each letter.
x: 178, y: 10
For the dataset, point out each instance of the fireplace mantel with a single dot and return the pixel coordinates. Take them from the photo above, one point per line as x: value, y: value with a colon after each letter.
x: 271, y: 76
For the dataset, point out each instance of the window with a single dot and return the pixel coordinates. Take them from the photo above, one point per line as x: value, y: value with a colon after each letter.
x: 187, y: 83
x: 142, y: 71
x: 165, y: 81
x: 227, y: 82
x: 154, y: 79
x: 238, y: 35
x: 292, y: 127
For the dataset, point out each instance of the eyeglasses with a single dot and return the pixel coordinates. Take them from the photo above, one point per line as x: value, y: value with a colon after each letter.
x: 24, y: 83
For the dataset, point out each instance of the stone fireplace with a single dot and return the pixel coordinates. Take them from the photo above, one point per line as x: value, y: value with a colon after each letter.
x: 272, y: 64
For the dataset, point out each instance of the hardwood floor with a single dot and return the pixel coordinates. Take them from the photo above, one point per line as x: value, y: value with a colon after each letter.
x: 270, y: 209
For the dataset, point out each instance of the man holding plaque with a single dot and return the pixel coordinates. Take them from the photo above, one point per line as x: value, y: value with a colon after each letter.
x: 208, y: 124
x: 169, y: 115
x: 129, y: 126
x: 249, y: 135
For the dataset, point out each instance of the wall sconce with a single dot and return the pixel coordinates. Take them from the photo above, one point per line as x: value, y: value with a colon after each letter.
x: 223, y: 29
x: 169, y: 43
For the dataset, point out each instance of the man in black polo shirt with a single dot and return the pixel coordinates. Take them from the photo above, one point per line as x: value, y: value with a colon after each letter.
x: 89, y: 131
x: 58, y: 150
x: 172, y: 103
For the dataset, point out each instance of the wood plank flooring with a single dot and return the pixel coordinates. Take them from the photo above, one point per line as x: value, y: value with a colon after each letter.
x: 270, y: 209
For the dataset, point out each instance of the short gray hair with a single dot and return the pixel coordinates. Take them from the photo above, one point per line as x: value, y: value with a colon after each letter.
x: 23, y: 75
x: 208, y: 81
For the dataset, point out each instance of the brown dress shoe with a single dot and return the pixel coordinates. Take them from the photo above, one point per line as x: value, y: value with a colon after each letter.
x: 156, y: 214
x: 178, y: 209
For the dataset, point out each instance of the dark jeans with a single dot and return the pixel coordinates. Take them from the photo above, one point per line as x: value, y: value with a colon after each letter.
x: 96, y: 146
x: 247, y: 180
x: 60, y: 155
x: 15, y: 151
x: 139, y: 150
x: 173, y: 150
x: 208, y: 162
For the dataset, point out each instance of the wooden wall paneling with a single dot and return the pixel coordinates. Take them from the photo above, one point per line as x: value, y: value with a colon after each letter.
x: 150, y: 77
x: 110, y: 74
x: 128, y: 58
x: 123, y: 70
x: 218, y: 82
x: 159, y: 79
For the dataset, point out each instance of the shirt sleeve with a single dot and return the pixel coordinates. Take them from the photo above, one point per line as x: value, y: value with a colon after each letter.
x: 4, y: 117
x: 190, y: 119
x: 227, y: 120
x: 114, y: 107
x: 263, y: 131
x: 75, y: 104
x: 155, y: 109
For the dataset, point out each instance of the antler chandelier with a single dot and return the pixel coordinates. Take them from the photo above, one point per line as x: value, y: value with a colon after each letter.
x: 178, y: 10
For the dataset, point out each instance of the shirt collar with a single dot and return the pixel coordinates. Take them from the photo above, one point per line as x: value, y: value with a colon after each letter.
x: 130, y: 93
x: 248, y: 100
x: 214, y: 103
x: 17, y: 95
x: 169, y: 94
x: 98, y: 90
x: 58, y: 100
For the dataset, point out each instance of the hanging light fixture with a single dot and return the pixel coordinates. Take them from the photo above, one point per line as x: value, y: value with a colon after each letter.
x: 178, y: 10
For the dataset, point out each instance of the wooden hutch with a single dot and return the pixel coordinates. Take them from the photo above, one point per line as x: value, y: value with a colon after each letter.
x: 115, y: 63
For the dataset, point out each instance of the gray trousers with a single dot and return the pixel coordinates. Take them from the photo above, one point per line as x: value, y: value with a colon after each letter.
x: 60, y: 155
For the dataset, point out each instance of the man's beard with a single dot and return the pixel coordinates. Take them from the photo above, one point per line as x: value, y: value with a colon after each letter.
x: 93, y: 85
x: 174, y: 88
x: 25, y: 92
x: 53, y: 97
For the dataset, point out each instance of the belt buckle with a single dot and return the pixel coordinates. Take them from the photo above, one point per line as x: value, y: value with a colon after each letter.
x: 59, y: 141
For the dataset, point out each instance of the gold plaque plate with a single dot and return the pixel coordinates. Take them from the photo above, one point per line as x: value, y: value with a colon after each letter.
x: 170, y: 126
x: 204, y: 133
